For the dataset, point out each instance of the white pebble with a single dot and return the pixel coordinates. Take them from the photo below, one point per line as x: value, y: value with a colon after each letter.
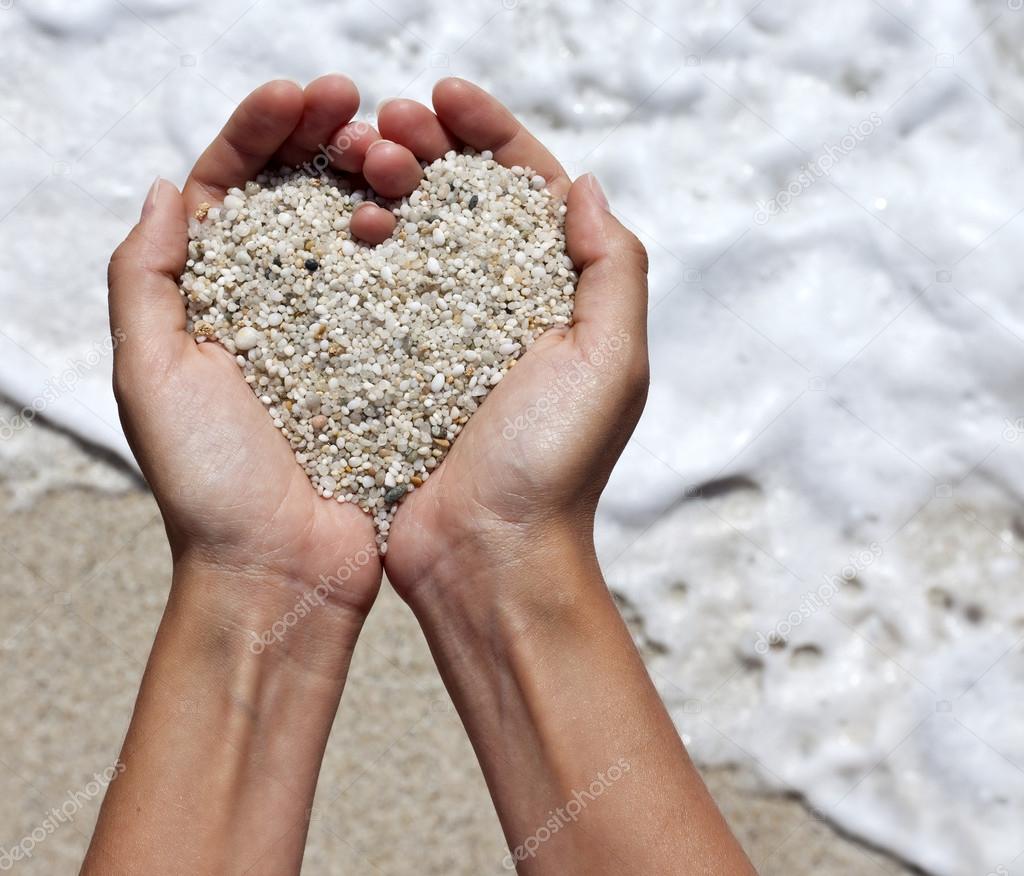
x: 246, y: 338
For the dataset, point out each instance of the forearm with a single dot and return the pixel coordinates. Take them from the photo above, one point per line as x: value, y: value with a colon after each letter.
x: 220, y: 762
x: 585, y: 767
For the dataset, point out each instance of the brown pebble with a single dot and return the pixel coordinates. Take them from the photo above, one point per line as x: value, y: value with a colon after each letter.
x: 415, y: 481
x: 442, y: 442
x: 319, y: 422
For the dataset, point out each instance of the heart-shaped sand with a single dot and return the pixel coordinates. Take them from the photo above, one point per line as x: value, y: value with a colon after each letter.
x: 371, y: 359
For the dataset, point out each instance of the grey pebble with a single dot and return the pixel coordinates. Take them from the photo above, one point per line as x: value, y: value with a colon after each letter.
x: 395, y: 493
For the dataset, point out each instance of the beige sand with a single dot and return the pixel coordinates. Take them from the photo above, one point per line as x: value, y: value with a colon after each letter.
x: 83, y: 579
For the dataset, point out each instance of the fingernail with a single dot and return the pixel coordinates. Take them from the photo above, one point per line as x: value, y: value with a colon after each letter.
x: 151, y: 196
x: 376, y: 143
x: 597, y: 191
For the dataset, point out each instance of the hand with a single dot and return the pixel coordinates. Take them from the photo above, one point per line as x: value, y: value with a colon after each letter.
x: 528, y: 468
x: 232, y: 496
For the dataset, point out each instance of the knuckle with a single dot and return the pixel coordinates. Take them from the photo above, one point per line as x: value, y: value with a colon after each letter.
x: 121, y: 383
x: 638, y: 251
x: 117, y: 260
x: 638, y: 375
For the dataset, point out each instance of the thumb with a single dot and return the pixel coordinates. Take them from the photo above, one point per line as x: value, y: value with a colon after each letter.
x: 147, y: 314
x: 611, y: 294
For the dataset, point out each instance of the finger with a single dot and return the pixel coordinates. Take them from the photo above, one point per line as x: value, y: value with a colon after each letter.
x: 611, y: 294
x: 330, y: 102
x: 348, y: 146
x: 414, y: 126
x: 147, y: 314
x: 391, y: 170
x: 481, y: 122
x: 255, y: 131
x: 372, y: 224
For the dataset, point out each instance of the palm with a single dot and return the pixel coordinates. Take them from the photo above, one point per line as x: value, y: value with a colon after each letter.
x: 243, y: 487
x: 512, y: 457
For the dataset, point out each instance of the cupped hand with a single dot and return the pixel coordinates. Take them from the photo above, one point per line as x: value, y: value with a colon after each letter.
x: 233, y: 498
x: 531, y: 463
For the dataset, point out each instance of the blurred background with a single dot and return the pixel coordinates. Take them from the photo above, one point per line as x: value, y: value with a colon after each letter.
x: 817, y: 532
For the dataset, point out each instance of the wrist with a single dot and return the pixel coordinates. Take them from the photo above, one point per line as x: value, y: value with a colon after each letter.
x: 504, y: 582
x: 265, y: 619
